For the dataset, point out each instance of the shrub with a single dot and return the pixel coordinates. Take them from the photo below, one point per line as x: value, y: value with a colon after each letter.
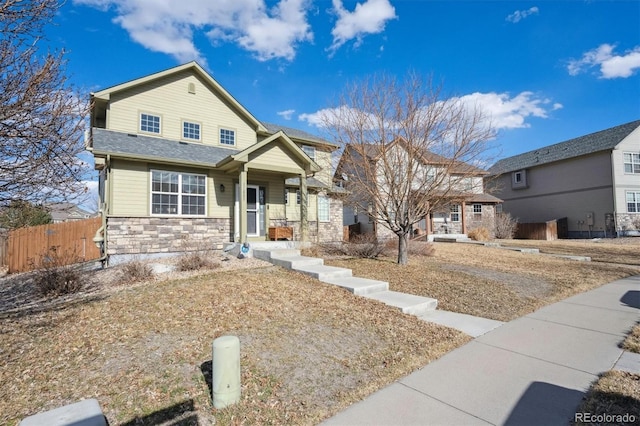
x: 136, y: 270
x: 365, y: 246
x: 195, y: 260
x: 55, y: 274
x: 505, y: 226
x: 479, y: 234
x: 314, y: 250
x: 421, y: 248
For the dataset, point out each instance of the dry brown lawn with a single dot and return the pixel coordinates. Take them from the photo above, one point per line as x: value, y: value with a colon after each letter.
x: 144, y: 351
x: 490, y: 282
x: 624, y: 251
x: 308, y: 349
x: 615, y: 393
x: 632, y: 342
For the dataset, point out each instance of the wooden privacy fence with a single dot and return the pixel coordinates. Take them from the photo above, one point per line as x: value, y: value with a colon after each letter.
x: 73, y: 242
x: 550, y: 230
x: 4, y: 255
x: 349, y: 231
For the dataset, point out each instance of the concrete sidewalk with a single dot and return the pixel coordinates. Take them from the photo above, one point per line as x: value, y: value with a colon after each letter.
x: 533, y: 370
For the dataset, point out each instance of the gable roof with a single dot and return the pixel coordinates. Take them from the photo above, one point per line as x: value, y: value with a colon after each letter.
x: 373, y: 152
x: 243, y: 156
x: 297, y: 134
x: 141, y: 147
x: 105, y: 94
x: 603, y: 140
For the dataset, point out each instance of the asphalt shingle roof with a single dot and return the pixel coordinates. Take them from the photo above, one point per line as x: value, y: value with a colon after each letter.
x: 131, y: 145
x: 295, y: 133
x: 595, y: 142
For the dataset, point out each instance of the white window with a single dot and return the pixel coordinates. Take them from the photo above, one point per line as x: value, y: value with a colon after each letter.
x: 178, y: 193
x: 477, y: 212
x: 455, y: 213
x: 150, y: 123
x: 468, y: 184
x: 227, y: 137
x: 299, y: 197
x: 310, y: 151
x: 190, y: 130
x: 631, y: 163
x: 323, y: 208
x: 633, y: 201
x: 519, y: 179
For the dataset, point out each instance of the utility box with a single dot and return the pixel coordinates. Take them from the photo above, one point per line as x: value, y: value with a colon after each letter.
x: 225, y: 371
x: 589, y: 219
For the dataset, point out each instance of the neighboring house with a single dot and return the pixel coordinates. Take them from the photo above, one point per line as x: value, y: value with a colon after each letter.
x: 179, y: 157
x: 67, y: 212
x: 460, y: 207
x: 592, y: 180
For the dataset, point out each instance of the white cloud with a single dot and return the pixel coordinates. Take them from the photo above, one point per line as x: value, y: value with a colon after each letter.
x: 519, y: 15
x: 168, y: 26
x: 507, y: 112
x: 286, y: 114
x: 369, y: 17
x: 503, y: 111
x: 611, y: 65
x: 316, y: 118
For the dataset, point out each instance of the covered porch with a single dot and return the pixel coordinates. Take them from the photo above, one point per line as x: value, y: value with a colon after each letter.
x: 260, y: 173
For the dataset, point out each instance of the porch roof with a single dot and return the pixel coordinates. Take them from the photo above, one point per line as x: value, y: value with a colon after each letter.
x: 140, y: 147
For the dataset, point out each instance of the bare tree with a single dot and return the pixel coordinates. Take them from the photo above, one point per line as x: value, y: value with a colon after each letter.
x: 407, y: 151
x: 41, y: 118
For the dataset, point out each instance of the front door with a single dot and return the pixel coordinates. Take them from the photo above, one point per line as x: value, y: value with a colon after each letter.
x: 253, y: 211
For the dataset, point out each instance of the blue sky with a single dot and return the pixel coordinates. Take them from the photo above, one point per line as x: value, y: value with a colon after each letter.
x: 546, y: 71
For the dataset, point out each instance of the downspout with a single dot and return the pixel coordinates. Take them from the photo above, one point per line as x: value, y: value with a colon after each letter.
x: 613, y: 194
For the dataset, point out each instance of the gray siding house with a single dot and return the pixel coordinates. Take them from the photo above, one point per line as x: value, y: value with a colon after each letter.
x: 592, y: 180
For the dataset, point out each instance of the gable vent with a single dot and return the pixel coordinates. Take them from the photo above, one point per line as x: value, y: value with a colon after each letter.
x: 191, y: 88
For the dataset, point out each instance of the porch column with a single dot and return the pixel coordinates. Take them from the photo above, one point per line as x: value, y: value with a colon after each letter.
x: 304, y: 221
x: 463, y: 216
x: 242, y: 187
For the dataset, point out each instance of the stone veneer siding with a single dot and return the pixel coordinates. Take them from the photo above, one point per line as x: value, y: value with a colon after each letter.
x: 626, y: 226
x: 319, y: 232
x: 487, y: 218
x: 146, y: 235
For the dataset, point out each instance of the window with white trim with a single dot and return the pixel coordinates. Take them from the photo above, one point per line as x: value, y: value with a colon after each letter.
x: 174, y: 193
x: 310, y: 151
x: 631, y: 163
x: 150, y: 123
x: 299, y: 197
x: 477, y: 212
x: 519, y: 179
x: 227, y: 137
x: 633, y: 201
x: 190, y: 130
x: 455, y: 213
x: 323, y: 208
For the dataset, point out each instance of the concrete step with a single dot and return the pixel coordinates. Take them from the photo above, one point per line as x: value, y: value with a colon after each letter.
x: 268, y: 253
x: 473, y: 326
x: 359, y: 286
x: 323, y: 272
x: 407, y: 303
x: 295, y: 262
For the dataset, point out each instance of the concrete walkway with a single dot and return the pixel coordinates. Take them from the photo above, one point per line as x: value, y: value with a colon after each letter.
x: 533, y: 370
x: 422, y: 307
